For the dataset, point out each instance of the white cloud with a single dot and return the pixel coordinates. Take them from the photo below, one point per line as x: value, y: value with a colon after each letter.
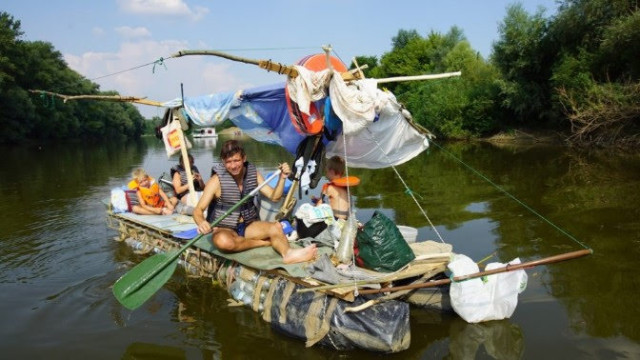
x: 163, y: 7
x: 128, y: 32
x: 131, y: 71
x: 97, y: 31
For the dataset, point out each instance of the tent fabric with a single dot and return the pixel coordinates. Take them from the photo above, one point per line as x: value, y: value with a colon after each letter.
x: 355, y: 104
x: 262, y: 114
x: 209, y: 110
x: 377, y: 132
x: 390, y: 140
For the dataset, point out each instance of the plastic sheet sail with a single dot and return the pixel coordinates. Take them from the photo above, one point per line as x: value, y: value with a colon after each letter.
x: 365, y: 125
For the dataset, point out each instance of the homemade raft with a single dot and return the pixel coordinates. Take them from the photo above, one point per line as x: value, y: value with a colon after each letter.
x: 293, y: 303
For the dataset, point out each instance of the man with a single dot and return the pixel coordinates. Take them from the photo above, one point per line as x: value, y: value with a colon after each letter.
x: 242, y: 229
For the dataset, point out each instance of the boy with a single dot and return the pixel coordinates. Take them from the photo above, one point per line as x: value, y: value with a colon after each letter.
x: 151, y: 199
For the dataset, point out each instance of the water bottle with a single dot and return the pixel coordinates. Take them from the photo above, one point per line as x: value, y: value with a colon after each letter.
x: 133, y: 243
x: 237, y: 289
x: 247, y: 298
x: 347, y: 238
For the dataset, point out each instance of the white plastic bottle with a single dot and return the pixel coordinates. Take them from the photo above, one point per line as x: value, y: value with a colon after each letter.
x: 237, y: 289
x: 347, y: 238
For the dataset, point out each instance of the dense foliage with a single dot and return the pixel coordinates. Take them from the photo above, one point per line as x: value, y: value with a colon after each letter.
x: 30, y: 116
x: 576, y: 72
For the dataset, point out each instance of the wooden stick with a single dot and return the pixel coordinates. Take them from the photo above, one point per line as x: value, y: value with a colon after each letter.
x: 358, y: 68
x: 418, y: 77
x: 268, y: 65
x: 119, y: 98
x: 191, y: 197
x: 526, y: 265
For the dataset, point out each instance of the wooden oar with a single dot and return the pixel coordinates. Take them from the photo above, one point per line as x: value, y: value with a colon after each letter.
x: 145, y: 279
x: 526, y: 265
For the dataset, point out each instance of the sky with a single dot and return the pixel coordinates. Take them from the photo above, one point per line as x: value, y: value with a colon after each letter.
x: 125, y: 45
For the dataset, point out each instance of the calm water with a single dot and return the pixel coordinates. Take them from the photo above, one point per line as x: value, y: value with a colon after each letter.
x: 58, y: 259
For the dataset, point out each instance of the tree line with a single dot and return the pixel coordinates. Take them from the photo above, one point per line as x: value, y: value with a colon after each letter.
x: 576, y: 73
x: 26, y: 65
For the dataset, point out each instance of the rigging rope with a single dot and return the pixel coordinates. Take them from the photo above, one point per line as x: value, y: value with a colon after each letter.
x: 161, y: 60
x: 485, y: 178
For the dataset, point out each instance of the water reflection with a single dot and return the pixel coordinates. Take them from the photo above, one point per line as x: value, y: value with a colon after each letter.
x: 58, y: 260
x: 139, y: 350
x: 206, y: 143
x: 497, y: 339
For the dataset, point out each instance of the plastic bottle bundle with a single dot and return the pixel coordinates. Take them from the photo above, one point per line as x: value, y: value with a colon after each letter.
x: 237, y: 289
x: 134, y: 244
x: 263, y: 293
x: 347, y: 238
x: 242, y: 290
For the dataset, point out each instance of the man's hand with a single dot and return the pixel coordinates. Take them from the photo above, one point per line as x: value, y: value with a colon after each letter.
x: 286, y: 170
x: 204, y: 227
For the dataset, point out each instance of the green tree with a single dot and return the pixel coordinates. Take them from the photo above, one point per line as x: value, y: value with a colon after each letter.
x: 25, y: 66
x: 523, y: 56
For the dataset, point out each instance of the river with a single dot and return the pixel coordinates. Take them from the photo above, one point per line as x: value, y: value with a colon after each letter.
x: 58, y: 257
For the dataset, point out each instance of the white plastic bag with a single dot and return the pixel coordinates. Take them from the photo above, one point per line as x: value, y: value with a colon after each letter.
x: 492, y: 297
x: 171, y: 134
x: 119, y: 201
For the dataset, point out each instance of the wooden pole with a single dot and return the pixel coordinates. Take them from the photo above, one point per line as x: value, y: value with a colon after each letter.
x: 418, y: 77
x: 526, y: 265
x: 358, y: 68
x: 191, y: 197
x: 268, y: 65
x: 117, y: 98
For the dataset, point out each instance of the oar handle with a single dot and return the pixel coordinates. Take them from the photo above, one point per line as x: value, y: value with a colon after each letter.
x: 143, y: 280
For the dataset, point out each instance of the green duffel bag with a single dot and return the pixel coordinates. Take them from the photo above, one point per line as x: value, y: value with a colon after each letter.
x: 380, y: 245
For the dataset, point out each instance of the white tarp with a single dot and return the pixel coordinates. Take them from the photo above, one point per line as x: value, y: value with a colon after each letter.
x: 390, y: 140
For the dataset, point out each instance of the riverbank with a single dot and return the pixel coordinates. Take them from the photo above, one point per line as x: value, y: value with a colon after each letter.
x: 527, y: 137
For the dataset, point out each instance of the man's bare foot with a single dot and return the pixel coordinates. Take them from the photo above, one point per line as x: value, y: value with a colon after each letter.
x: 300, y: 255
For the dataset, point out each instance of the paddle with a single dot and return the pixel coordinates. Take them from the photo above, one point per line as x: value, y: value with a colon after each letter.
x: 145, y: 279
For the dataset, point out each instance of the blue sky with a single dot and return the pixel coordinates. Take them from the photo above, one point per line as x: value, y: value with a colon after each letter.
x: 99, y: 38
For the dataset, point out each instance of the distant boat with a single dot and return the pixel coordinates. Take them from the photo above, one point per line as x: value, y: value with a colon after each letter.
x: 205, y: 132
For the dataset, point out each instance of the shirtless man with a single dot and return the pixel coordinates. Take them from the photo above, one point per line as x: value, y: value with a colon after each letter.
x: 242, y: 229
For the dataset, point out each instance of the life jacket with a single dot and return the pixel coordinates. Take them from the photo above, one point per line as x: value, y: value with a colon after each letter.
x: 342, y: 182
x: 230, y: 195
x: 150, y: 195
x: 183, y: 178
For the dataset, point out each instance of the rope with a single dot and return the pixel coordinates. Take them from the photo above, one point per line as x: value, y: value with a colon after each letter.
x: 160, y: 61
x: 485, y: 178
x: 408, y: 190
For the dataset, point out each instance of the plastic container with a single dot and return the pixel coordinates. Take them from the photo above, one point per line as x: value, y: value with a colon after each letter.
x: 347, y: 237
x: 409, y: 233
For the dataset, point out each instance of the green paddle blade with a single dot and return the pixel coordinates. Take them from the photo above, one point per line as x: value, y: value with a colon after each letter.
x: 136, y: 286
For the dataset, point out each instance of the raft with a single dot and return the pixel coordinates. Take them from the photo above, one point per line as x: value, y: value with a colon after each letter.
x: 295, y: 304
